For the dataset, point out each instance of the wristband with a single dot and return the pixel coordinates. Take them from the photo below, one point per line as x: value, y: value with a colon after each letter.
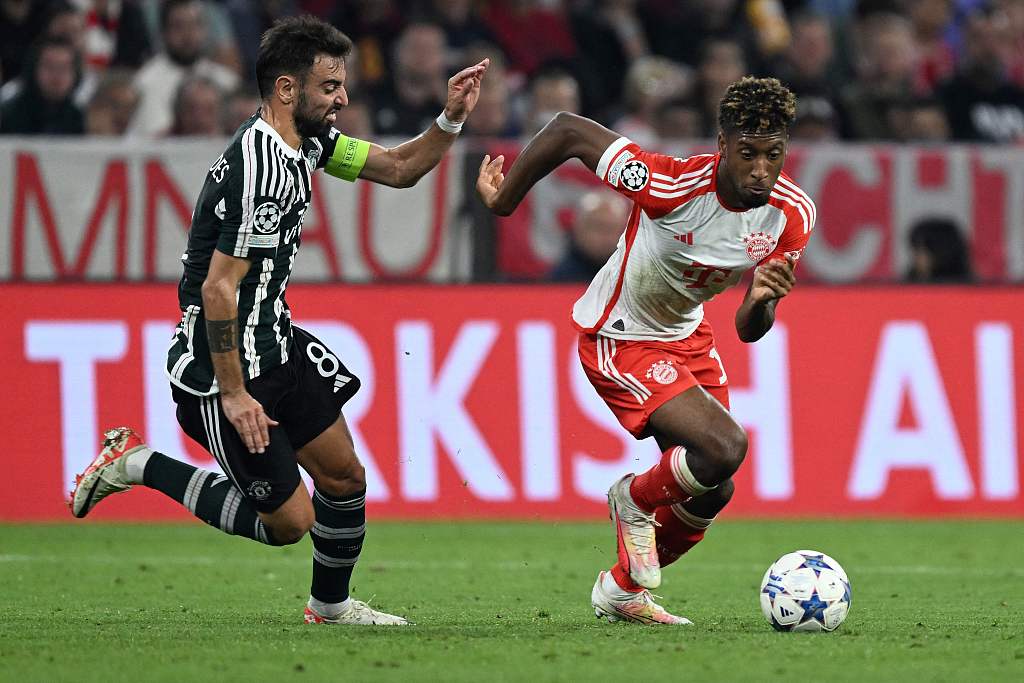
x: 449, y: 126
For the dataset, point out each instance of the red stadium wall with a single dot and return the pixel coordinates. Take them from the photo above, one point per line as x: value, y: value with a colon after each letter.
x: 863, y: 402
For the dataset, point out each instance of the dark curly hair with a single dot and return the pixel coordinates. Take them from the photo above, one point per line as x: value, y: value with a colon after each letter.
x: 759, y: 106
x: 290, y: 47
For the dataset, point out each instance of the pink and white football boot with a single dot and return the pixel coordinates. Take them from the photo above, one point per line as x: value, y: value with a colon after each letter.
x: 106, y: 473
x: 617, y: 604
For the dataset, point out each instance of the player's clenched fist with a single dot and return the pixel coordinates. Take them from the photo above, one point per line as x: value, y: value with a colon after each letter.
x: 773, y: 280
x: 249, y: 420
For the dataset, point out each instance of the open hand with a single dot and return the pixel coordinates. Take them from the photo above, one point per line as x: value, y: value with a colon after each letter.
x: 489, y: 181
x: 772, y: 280
x: 464, y: 91
x: 246, y: 415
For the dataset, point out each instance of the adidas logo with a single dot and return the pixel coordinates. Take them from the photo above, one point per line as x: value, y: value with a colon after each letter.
x: 340, y: 381
x: 685, y: 238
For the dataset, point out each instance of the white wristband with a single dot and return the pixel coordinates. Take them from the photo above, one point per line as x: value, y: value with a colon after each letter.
x: 449, y: 126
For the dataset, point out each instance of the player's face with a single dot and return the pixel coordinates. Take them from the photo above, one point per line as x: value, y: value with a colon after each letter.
x: 321, y: 96
x: 752, y: 164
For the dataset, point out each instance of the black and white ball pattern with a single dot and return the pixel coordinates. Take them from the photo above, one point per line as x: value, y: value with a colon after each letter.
x: 267, y: 218
x: 635, y: 175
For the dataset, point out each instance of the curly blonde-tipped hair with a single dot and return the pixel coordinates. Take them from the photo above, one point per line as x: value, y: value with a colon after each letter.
x: 757, y: 106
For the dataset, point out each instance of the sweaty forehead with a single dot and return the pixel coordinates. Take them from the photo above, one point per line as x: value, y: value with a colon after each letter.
x: 327, y: 67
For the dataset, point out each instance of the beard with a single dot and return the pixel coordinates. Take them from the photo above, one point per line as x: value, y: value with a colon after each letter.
x: 307, y: 123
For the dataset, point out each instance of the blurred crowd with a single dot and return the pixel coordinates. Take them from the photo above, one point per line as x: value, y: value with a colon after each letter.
x: 898, y: 70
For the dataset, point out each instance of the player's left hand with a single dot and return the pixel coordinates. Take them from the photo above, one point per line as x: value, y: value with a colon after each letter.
x: 489, y: 180
x: 773, y: 280
x: 464, y: 91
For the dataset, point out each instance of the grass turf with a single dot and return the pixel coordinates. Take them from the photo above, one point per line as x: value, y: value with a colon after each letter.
x: 508, y: 601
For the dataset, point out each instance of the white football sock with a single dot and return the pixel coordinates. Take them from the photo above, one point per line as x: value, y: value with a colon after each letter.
x: 613, y: 590
x: 329, y: 609
x: 135, y: 465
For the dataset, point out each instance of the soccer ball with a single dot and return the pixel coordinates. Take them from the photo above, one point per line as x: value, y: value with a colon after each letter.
x: 805, y: 591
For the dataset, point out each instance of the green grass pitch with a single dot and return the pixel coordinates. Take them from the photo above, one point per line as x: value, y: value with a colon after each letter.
x: 932, y: 601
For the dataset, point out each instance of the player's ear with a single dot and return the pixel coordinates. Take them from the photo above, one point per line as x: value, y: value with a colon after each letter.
x: 721, y: 143
x: 286, y: 89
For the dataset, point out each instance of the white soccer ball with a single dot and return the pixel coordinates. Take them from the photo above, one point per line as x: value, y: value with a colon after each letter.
x: 805, y: 591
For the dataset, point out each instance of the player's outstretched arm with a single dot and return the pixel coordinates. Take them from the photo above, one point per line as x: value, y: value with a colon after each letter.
x: 220, y: 307
x: 756, y: 315
x: 567, y: 136
x: 404, y: 165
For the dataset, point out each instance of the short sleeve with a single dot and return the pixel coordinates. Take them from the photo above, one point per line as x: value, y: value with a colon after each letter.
x: 658, y: 183
x: 342, y: 157
x: 250, y: 214
x: 800, y: 213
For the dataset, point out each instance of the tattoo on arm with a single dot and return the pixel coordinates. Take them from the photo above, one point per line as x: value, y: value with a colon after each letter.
x: 222, y: 335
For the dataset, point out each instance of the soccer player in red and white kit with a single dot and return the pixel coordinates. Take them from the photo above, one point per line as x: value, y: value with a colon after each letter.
x: 696, y: 225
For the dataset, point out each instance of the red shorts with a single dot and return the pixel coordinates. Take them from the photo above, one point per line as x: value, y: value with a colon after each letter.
x: 635, y: 377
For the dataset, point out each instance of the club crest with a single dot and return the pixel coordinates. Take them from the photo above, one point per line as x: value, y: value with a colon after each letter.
x: 759, y: 245
x: 663, y: 372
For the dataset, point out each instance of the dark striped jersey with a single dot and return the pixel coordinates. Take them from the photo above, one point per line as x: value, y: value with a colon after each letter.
x: 251, y: 206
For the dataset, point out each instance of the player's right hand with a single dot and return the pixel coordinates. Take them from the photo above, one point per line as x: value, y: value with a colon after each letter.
x: 489, y: 181
x: 249, y: 420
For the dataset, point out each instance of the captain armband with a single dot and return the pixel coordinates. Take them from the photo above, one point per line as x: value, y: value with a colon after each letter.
x: 348, y: 158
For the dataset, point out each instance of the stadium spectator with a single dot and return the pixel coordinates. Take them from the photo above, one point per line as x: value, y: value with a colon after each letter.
x: 409, y: 101
x: 931, y: 19
x: 462, y: 25
x: 113, y: 104
x: 356, y: 118
x: 610, y: 36
x: 183, y: 29
x: 492, y: 117
x: 113, y: 33
x: 249, y: 19
x: 552, y: 90
x: 981, y: 101
x: 922, y: 120
x: 599, y: 221
x: 722, y: 63
x: 939, y: 254
x: 807, y: 66
x: 887, y: 74
x: 815, y: 120
x: 21, y: 23
x: 678, y: 119
x: 651, y: 81
x: 240, y: 106
x: 198, y: 109
x: 374, y: 26
x: 679, y: 30
x: 45, y: 103
x: 531, y: 33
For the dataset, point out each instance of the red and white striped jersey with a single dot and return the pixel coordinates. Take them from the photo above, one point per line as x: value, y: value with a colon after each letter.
x: 681, y: 246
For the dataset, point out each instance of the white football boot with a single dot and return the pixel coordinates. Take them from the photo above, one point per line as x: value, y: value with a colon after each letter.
x: 636, y: 608
x: 634, y: 531
x: 106, y: 473
x: 358, y: 613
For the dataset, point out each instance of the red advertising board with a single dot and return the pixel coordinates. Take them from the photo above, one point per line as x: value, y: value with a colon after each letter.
x: 862, y: 402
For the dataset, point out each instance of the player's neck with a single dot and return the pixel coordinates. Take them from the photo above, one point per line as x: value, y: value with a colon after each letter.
x: 283, y: 123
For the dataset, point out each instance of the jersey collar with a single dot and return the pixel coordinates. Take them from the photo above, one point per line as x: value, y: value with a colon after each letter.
x: 268, y: 129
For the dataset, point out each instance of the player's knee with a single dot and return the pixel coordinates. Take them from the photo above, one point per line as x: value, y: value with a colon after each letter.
x: 342, y: 481
x: 724, y: 491
x: 730, y: 451
x: 290, y: 529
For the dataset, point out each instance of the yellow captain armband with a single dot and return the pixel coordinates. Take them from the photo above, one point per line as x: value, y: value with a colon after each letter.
x: 348, y: 158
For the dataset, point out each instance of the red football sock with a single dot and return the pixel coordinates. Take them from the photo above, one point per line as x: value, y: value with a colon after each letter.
x: 676, y: 536
x: 667, y: 483
x: 624, y: 580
